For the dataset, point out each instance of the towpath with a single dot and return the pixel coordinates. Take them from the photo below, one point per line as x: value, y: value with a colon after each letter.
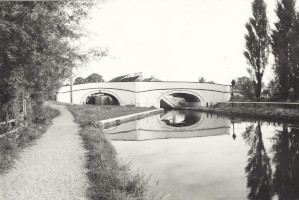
x: 53, y: 168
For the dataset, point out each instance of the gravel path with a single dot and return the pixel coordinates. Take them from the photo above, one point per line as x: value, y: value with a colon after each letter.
x: 53, y: 168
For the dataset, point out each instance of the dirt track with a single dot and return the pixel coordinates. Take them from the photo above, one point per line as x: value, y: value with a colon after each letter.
x: 53, y: 168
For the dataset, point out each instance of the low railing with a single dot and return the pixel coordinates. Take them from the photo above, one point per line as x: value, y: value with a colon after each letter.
x: 21, y: 117
x: 8, y: 122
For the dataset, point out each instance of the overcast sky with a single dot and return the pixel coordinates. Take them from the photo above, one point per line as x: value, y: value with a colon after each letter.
x: 174, y: 40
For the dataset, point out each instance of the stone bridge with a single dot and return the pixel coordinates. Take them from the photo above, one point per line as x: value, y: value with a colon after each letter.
x: 147, y: 94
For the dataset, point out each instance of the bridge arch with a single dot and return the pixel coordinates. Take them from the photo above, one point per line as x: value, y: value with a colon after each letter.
x: 189, y: 96
x: 100, y: 91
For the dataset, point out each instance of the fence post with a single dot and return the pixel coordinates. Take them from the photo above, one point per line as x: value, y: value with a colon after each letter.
x: 24, y: 107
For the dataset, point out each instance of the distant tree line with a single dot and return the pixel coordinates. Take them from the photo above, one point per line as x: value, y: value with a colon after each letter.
x: 36, y: 51
x: 202, y: 79
x: 93, y: 78
x: 282, y: 42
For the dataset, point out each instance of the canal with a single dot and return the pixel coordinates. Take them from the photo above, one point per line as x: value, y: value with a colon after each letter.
x: 201, y: 156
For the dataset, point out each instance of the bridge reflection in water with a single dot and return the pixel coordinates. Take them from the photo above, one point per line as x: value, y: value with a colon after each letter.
x: 171, y: 124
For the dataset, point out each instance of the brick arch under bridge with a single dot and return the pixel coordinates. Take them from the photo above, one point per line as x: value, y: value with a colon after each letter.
x: 95, y: 91
x: 147, y: 94
x: 193, y: 98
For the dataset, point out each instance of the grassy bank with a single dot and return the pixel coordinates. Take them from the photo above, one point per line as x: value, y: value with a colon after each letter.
x: 84, y: 114
x: 12, y: 144
x: 109, y: 179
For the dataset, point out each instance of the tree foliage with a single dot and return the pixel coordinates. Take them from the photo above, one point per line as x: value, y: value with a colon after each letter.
x: 94, y: 78
x: 35, y: 52
x: 201, y: 79
x: 294, y: 77
x: 283, y: 41
x: 245, y: 87
x: 257, y: 45
x: 79, y: 80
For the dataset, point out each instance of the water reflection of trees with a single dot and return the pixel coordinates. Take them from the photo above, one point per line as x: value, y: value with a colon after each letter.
x: 286, y: 162
x: 258, y: 169
x: 284, y: 183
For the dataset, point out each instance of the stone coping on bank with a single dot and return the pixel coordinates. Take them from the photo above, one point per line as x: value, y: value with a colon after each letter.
x: 107, y: 123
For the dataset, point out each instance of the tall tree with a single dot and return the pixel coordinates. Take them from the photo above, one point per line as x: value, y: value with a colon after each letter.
x: 295, y: 61
x: 257, y: 45
x: 282, y: 45
x: 35, y: 51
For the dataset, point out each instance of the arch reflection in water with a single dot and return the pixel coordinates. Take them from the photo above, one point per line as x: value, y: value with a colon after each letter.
x: 171, y: 124
x: 180, y: 118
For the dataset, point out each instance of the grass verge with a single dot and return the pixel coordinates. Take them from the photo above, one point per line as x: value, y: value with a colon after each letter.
x: 109, y: 179
x: 12, y: 144
x: 84, y: 114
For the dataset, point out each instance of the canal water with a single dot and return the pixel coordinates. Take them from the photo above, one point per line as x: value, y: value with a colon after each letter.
x: 199, y: 156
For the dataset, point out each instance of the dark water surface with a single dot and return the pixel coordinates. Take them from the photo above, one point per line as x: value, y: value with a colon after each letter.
x: 199, y: 156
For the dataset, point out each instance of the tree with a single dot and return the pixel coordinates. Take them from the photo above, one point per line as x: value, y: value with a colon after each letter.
x: 35, y: 51
x: 201, y: 80
x: 273, y: 89
x: 257, y: 45
x: 282, y: 45
x: 79, y: 80
x: 245, y: 87
x: 94, y: 78
x: 294, y: 78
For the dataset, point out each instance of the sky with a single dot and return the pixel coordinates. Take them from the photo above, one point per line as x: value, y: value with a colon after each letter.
x: 173, y: 40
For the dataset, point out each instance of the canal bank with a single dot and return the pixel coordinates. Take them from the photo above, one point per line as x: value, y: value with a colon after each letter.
x: 267, y: 111
x: 108, y: 177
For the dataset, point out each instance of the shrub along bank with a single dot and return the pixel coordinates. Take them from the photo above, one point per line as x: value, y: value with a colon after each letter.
x: 12, y: 144
x: 109, y: 179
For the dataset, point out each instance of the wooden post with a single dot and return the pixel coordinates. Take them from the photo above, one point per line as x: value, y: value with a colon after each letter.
x: 71, y: 86
x: 24, y: 107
